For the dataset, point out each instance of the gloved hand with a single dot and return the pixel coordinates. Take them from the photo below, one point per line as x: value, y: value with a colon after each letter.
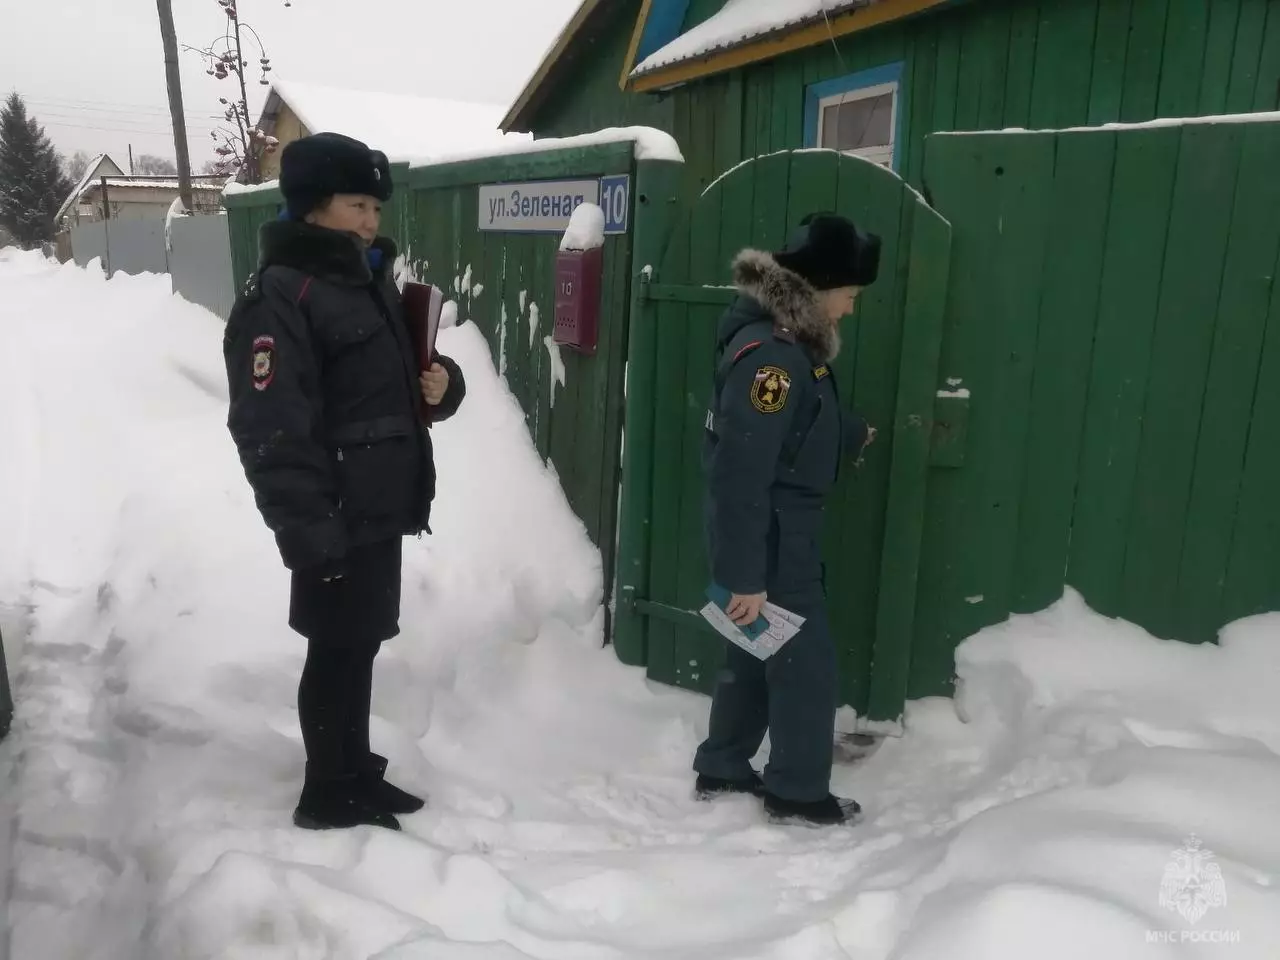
x: 329, y: 571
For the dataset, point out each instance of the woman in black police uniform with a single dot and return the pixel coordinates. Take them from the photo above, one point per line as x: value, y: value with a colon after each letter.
x: 329, y: 414
x: 775, y: 437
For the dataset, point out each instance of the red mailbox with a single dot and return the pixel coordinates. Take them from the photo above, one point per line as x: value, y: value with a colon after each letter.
x: 578, y: 275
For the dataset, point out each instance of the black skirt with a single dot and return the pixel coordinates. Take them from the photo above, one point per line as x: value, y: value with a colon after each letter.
x: 361, y: 608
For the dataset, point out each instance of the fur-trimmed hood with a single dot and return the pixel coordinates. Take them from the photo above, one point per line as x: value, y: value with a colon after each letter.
x: 324, y: 254
x: 790, y: 299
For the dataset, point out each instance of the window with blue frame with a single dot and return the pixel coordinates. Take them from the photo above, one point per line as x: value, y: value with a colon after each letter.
x: 857, y: 114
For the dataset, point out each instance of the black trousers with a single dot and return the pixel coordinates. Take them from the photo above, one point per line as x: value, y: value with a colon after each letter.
x: 345, y: 622
x: 334, y: 701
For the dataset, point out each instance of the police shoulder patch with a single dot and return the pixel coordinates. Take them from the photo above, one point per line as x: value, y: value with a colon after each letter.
x: 769, y: 389
x: 264, y: 361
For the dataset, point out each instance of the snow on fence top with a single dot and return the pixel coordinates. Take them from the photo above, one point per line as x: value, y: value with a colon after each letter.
x: 650, y: 144
x: 743, y: 20
x: 1272, y: 117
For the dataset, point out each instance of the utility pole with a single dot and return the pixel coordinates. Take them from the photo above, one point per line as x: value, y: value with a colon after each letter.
x: 131, y: 159
x: 174, y: 79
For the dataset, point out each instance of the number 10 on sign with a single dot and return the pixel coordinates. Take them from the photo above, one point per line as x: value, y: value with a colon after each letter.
x: 615, y: 201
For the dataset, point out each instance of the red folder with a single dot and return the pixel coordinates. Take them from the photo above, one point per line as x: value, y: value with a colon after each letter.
x: 423, y: 304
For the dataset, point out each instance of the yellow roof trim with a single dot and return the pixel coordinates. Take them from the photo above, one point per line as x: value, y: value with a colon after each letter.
x: 852, y: 21
x: 629, y: 62
x: 567, y: 36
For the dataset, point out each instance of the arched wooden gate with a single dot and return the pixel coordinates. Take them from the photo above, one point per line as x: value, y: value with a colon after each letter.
x: 888, y: 368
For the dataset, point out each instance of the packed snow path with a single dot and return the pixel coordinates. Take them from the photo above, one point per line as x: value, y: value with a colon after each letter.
x: 155, y: 758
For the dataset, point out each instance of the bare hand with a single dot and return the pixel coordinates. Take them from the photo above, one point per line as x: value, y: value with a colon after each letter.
x: 871, y: 436
x: 745, y: 609
x: 434, y: 383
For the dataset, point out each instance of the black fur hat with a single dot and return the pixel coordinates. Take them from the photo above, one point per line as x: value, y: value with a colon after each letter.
x: 829, y: 251
x: 323, y: 164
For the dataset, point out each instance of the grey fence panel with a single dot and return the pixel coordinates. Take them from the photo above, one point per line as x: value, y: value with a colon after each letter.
x: 200, y: 262
x: 126, y: 246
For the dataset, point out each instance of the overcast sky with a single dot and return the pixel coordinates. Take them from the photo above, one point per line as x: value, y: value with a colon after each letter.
x: 92, y: 71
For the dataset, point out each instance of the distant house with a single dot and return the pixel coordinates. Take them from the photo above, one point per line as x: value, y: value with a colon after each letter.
x: 403, y: 127
x: 74, y: 208
x: 105, y: 191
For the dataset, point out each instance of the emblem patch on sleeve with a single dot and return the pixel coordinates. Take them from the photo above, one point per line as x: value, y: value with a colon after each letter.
x: 770, y: 388
x: 264, y: 362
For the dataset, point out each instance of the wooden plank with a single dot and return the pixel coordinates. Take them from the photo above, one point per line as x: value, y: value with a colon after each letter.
x: 671, y: 320
x: 1000, y: 424
x: 1143, y: 59
x: 1219, y: 53
x: 764, y: 74
x: 1186, y: 32
x: 1023, y: 27
x: 1253, y: 574
x: 609, y: 470
x: 908, y: 483
x: 750, y: 115
x: 728, y: 124
x: 694, y: 371
x: 1266, y: 94
x: 1252, y: 248
x: 973, y: 37
x: 1199, y: 224
x: 961, y: 174
x: 1060, y: 87
x: 769, y: 211
x: 946, y: 80
x: 1077, y: 229
x: 867, y: 375
x: 1142, y: 188
x: 788, y: 105
x: 993, y: 65
x: 1106, y: 84
x: 1244, y: 60
x: 924, y: 61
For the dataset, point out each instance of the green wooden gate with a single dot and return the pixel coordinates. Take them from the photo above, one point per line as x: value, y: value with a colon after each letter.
x: 889, y: 367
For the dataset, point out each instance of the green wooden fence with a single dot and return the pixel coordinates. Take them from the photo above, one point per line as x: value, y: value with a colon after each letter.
x: 1073, y: 357
x: 1093, y: 370
x: 1114, y: 314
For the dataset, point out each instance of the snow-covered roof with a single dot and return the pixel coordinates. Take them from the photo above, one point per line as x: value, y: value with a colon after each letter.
x: 90, y: 173
x: 401, y: 126
x: 162, y: 184
x: 743, y: 21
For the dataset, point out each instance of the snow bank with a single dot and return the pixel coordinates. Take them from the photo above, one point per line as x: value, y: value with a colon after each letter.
x: 1098, y: 780
x: 650, y: 144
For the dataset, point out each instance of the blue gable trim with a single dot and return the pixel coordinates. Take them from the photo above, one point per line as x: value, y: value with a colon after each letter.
x: 817, y: 92
x: 664, y: 24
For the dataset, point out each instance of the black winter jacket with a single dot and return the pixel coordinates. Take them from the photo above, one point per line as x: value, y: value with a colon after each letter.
x: 325, y: 406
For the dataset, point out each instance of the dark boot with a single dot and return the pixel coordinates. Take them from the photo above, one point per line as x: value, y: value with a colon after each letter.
x: 831, y: 811
x: 708, y: 788
x: 381, y: 795
x: 338, y: 803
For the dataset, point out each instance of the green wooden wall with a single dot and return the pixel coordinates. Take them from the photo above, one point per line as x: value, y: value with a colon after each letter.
x: 980, y: 65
